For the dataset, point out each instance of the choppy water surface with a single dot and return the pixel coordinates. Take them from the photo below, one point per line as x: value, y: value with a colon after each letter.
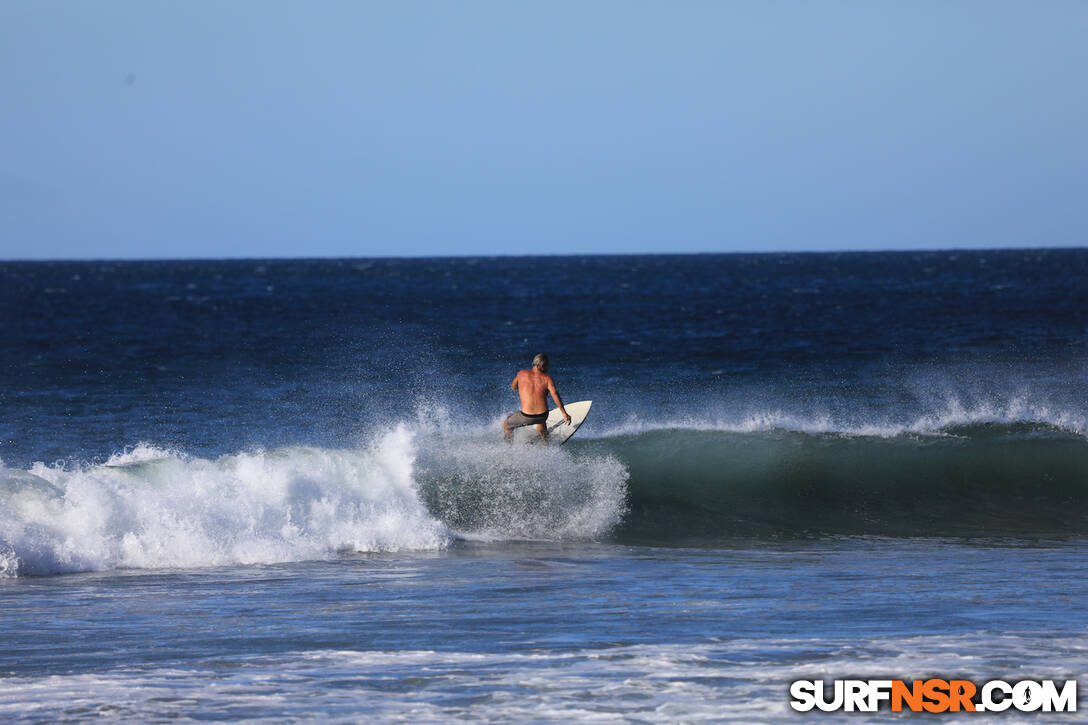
x: 538, y: 631
x: 271, y: 490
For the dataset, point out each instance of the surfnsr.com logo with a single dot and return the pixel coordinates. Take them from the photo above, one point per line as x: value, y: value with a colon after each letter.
x: 934, y: 695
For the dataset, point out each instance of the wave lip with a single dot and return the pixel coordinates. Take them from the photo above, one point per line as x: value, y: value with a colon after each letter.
x: 953, y: 413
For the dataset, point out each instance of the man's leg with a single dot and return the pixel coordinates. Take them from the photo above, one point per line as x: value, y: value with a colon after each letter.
x: 543, y: 431
x: 506, y: 430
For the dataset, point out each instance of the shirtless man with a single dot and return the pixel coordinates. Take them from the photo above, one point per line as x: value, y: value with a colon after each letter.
x: 533, y: 387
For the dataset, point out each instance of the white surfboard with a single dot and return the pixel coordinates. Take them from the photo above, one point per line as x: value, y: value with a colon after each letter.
x: 558, y: 430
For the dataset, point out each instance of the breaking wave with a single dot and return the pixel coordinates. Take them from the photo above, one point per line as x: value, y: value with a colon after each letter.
x: 427, y: 486
x: 154, y: 508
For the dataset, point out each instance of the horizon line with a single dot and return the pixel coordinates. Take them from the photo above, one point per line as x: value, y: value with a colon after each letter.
x: 390, y: 257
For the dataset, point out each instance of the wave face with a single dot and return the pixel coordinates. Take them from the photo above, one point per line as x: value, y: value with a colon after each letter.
x: 423, y: 489
x: 419, y: 488
x: 980, y: 479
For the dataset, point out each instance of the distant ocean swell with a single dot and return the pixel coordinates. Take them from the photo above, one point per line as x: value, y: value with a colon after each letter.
x: 418, y: 490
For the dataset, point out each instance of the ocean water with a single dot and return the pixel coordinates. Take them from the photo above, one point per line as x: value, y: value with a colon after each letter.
x: 277, y: 490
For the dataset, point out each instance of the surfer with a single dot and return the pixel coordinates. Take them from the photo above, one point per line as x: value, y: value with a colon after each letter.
x: 533, y: 387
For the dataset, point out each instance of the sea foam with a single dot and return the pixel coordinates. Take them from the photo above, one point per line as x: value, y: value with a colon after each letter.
x: 411, y: 489
x: 150, y: 507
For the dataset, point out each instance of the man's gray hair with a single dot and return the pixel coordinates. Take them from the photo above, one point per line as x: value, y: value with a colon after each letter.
x: 540, y: 361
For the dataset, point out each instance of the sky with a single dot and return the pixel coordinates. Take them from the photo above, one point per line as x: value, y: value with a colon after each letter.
x: 155, y: 129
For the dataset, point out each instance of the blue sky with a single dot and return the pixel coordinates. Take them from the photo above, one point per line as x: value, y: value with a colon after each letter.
x: 237, y: 129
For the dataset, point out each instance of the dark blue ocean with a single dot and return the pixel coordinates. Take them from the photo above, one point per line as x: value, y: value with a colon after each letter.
x: 275, y: 490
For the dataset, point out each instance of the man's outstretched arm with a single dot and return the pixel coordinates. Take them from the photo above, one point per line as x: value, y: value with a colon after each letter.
x: 558, y: 400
